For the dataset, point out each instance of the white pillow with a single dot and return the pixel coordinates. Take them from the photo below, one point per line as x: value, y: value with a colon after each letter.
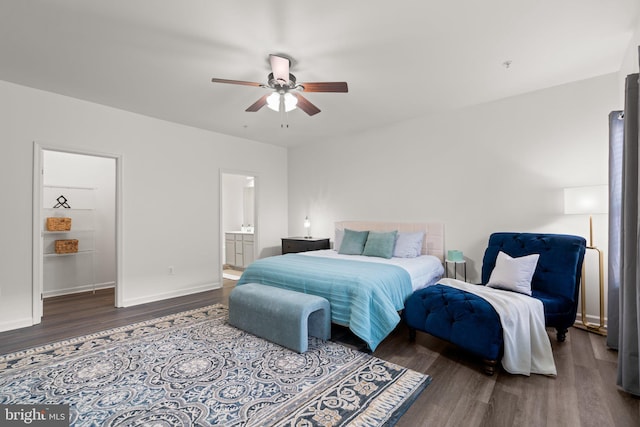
x: 513, y: 274
x: 408, y: 245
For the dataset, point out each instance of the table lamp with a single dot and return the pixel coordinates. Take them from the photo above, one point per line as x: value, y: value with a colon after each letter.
x: 307, y: 226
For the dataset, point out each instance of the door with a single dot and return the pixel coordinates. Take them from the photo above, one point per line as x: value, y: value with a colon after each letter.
x: 83, y: 187
x: 238, y: 218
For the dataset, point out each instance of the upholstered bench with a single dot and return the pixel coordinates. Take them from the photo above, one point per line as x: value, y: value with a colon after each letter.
x: 280, y: 315
x: 462, y: 318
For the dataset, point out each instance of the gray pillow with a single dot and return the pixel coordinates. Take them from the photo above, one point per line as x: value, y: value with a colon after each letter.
x: 338, y: 240
x: 513, y: 274
x: 353, y: 242
x: 409, y: 245
x: 380, y: 244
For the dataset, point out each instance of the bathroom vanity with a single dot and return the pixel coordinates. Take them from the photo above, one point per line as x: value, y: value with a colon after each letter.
x: 239, y: 249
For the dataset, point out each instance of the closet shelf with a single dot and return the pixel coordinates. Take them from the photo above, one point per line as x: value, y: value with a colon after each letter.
x: 69, y: 187
x: 71, y: 270
x: 46, y: 232
x: 89, y: 251
x: 68, y: 209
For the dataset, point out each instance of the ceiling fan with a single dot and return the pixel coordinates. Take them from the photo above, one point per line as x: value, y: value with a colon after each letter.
x: 285, y: 95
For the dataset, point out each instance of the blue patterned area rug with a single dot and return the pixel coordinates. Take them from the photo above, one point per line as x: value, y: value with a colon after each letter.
x: 193, y: 369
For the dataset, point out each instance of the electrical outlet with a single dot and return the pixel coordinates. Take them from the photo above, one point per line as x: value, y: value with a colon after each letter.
x: 171, y: 270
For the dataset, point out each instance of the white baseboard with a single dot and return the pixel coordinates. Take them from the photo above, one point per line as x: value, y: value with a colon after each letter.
x: 78, y: 289
x: 16, y: 324
x: 591, y: 319
x: 166, y: 295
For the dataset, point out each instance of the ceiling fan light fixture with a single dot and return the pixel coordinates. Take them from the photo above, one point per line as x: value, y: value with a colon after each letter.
x: 273, y: 101
x: 290, y: 102
x: 278, y: 101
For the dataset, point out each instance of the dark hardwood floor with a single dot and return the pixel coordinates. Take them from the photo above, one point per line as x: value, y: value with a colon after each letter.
x: 84, y: 313
x: 460, y: 394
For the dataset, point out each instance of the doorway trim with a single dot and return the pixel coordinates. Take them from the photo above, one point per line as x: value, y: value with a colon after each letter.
x: 36, y: 249
x: 256, y: 210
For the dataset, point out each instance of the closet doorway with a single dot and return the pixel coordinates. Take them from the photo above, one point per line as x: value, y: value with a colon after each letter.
x: 75, y: 222
x: 238, y: 222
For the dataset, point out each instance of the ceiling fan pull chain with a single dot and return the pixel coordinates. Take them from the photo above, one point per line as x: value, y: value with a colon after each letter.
x: 283, y: 112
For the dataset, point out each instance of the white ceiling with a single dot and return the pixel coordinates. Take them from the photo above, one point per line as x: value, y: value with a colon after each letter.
x: 401, y: 58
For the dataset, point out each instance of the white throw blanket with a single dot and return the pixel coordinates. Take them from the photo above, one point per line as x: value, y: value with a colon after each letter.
x: 527, y: 349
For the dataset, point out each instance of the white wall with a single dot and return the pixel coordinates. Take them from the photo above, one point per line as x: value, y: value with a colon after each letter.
x: 170, y: 186
x: 99, y: 173
x: 500, y: 166
x: 631, y: 60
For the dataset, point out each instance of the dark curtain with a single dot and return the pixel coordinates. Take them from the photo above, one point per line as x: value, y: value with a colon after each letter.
x: 629, y: 268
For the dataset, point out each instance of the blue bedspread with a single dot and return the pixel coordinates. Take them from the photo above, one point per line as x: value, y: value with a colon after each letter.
x: 364, y: 296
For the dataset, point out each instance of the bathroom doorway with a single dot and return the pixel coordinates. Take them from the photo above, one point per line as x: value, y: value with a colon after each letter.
x: 238, y: 222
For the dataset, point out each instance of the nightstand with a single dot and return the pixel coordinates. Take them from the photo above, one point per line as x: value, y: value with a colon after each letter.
x: 303, y: 244
x: 455, y: 268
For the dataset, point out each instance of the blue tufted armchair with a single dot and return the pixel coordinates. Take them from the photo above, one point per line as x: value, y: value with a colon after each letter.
x: 471, y: 323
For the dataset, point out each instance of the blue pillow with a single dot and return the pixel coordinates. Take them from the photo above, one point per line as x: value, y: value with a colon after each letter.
x: 353, y: 242
x: 380, y: 244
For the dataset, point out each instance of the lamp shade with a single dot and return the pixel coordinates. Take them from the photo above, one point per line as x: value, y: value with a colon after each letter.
x: 588, y: 200
x: 273, y: 101
x: 290, y: 102
x: 307, y: 223
x: 282, y: 101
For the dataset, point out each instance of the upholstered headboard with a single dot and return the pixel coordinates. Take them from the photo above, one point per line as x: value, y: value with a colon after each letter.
x: 433, y: 243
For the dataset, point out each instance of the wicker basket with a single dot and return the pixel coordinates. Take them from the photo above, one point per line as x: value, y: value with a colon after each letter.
x: 67, y: 246
x: 58, y: 224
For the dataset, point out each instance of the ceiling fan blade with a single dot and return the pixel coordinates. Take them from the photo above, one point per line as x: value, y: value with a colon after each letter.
x: 237, y: 82
x: 280, y: 67
x: 325, y: 87
x: 258, y: 104
x: 305, y: 105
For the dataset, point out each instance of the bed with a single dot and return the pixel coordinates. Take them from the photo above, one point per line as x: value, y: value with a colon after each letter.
x: 366, y: 293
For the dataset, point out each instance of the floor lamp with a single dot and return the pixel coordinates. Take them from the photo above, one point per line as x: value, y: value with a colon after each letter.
x: 590, y: 201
